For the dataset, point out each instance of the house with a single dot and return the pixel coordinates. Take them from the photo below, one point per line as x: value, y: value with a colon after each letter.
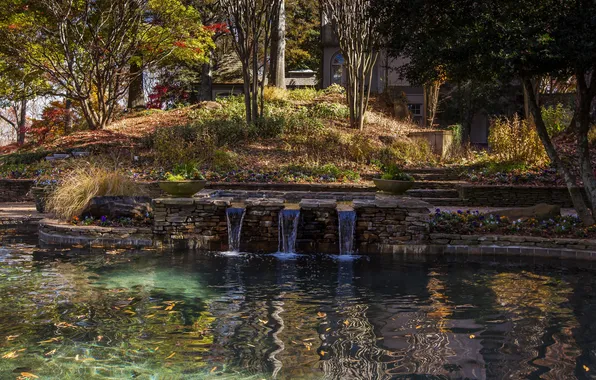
x: 385, y: 78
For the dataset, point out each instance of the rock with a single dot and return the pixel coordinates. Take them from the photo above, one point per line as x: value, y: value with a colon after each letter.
x: 119, y: 207
x: 538, y: 212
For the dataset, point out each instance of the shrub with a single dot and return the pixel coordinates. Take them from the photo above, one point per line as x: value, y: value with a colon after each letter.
x: 224, y: 161
x: 181, y: 143
x: 556, y: 118
x: 275, y: 94
x: 406, y: 152
x: 307, y: 94
x: 330, y: 111
x: 77, y: 188
x: 360, y: 148
x: 514, y: 140
x: 335, y: 89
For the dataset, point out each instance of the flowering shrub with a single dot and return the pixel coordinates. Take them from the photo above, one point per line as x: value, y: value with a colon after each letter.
x: 474, y: 222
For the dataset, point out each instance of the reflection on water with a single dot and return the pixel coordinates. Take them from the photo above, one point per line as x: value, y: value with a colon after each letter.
x: 148, y: 315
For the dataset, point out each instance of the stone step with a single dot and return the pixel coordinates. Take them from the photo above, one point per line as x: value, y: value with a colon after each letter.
x: 437, y: 184
x: 437, y: 202
x: 435, y: 176
x: 433, y: 193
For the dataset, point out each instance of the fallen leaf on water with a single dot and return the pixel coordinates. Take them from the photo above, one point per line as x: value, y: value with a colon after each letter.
x: 346, y: 322
x: 155, y: 307
x: 49, y: 353
x: 52, y: 340
x: 418, y: 327
x: 586, y: 368
x: 323, y: 353
x: 12, y: 337
x: 29, y: 375
x: 263, y: 321
x: 328, y: 328
x: 309, y: 339
x: 77, y: 358
x: 472, y: 336
x: 171, y: 355
x: 150, y: 316
x: 321, y: 314
x: 250, y: 345
x: 168, y: 308
x: 130, y: 312
x: 213, y: 369
x: 99, y: 338
x: 10, y: 355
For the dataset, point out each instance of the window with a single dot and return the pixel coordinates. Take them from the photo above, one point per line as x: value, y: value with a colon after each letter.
x: 415, y: 109
x: 337, y: 69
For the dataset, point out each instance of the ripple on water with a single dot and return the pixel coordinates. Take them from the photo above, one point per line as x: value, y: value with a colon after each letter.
x: 196, y: 315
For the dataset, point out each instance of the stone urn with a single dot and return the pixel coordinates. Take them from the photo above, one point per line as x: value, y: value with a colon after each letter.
x: 40, y: 195
x: 393, y: 186
x: 182, y: 189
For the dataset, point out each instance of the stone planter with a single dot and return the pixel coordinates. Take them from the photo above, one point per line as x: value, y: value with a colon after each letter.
x: 182, y: 189
x: 40, y: 195
x: 392, y: 186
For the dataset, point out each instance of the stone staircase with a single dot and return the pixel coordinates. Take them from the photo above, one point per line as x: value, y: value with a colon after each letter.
x: 439, y: 187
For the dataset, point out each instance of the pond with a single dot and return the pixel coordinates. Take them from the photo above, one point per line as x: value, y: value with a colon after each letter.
x: 184, y: 315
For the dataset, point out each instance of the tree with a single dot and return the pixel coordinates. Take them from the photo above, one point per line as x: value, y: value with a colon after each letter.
x: 278, y: 46
x: 303, y: 35
x: 520, y: 40
x: 359, y: 40
x: 18, y: 86
x: 249, y: 22
x: 86, y: 48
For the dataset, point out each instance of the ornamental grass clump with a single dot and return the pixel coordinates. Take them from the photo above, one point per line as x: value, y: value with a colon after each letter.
x: 73, y: 194
x: 516, y: 141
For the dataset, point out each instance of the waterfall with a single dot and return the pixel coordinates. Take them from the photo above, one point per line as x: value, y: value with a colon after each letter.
x: 288, y: 230
x: 347, y: 226
x: 235, y: 218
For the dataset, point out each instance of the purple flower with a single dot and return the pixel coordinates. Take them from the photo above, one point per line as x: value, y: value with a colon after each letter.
x: 104, y: 219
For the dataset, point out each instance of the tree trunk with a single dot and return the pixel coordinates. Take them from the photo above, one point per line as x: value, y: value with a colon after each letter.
x: 207, y: 79
x: 278, y: 47
x: 136, y: 92
x: 583, y: 121
x: 247, y: 86
x: 575, y: 193
x: 68, y: 115
x: 22, y: 123
x: 255, y: 82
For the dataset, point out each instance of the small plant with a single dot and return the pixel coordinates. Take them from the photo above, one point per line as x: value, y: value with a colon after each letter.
x: 185, y: 172
x: 514, y: 140
x: 557, y: 118
x: 394, y: 173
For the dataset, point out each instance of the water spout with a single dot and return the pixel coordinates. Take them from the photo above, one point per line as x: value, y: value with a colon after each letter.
x: 235, y: 218
x: 347, y: 226
x: 288, y: 230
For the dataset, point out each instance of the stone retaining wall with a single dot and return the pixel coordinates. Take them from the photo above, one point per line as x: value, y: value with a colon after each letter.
x: 515, y: 245
x: 290, y: 195
x: 15, y: 190
x: 513, y: 196
x: 198, y: 223
x: 260, y: 230
x: 318, y: 230
x: 386, y: 222
x: 52, y: 232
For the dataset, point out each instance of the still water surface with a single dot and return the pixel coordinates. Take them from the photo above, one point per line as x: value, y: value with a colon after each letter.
x: 180, y: 315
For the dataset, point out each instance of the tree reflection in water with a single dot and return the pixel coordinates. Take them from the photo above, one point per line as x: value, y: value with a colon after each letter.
x: 198, y: 315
